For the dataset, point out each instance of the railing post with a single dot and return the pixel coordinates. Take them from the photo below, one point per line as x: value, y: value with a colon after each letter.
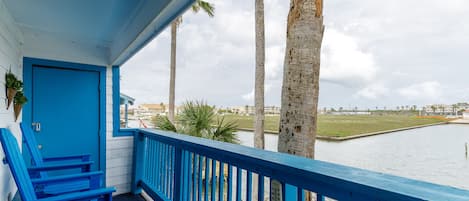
x: 138, y: 161
x: 177, y: 173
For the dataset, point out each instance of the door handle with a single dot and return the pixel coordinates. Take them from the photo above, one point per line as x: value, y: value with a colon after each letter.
x: 39, y: 146
x: 36, y: 126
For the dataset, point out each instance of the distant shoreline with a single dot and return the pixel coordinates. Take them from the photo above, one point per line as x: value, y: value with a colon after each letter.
x: 330, y: 138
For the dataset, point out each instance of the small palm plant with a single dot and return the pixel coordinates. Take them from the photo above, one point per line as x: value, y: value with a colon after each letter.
x: 200, y: 120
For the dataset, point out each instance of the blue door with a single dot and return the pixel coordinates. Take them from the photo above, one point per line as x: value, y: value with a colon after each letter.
x: 65, y: 103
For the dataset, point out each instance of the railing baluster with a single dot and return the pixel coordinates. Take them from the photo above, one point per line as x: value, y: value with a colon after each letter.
x: 300, y: 194
x: 249, y: 186
x: 239, y: 182
x: 221, y: 181
x: 207, y: 168
x: 214, y: 180
x: 152, y: 162
x: 177, y: 173
x: 157, y: 164
x: 194, y: 174
x: 229, y: 180
x: 140, y: 147
x: 160, y: 166
x: 190, y: 174
x: 199, y: 178
x: 320, y: 197
x: 166, y: 170
x: 260, y: 187
x: 172, y: 173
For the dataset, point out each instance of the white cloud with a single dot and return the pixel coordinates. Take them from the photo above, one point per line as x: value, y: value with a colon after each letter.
x: 250, y: 96
x: 344, y: 61
x: 373, y: 91
x: 430, y: 90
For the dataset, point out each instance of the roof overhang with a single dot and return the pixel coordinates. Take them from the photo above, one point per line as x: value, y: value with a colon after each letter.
x: 105, y: 32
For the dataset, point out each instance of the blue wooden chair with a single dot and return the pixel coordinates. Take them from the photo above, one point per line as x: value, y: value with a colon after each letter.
x: 61, y: 163
x: 33, y: 189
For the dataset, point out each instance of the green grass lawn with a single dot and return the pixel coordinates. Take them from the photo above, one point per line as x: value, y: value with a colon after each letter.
x: 346, y: 125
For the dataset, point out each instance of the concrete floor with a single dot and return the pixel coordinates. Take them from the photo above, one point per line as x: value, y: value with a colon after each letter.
x: 128, y: 197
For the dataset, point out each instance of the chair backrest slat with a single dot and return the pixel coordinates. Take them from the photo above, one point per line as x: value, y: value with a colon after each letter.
x: 30, y: 140
x: 17, y: 165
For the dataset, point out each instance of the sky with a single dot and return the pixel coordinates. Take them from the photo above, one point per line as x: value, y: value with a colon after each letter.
x: 375, y: 53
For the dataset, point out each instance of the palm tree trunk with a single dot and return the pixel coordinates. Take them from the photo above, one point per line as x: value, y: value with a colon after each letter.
x: 260, y: 76
x: 300, y: 90
x: 259, y: 84
x: 172, y: 76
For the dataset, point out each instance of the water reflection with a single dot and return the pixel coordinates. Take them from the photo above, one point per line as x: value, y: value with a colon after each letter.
x: 435, y: 154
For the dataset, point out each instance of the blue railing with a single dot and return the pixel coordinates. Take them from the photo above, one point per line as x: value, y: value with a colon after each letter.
x: 171, y: 166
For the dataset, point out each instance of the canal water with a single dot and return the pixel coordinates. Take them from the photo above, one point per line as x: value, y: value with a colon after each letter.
x: 435, y: 154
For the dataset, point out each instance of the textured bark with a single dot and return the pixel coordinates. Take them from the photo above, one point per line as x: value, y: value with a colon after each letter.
x: 172, y: 76
x: 260, y: 76
x: 300, y: 89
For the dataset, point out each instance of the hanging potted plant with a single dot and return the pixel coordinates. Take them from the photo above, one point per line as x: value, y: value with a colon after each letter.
x: 13, y: 85
x: 20, y: 100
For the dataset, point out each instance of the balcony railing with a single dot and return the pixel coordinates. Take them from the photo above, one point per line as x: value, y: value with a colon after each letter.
x: 171, y: 166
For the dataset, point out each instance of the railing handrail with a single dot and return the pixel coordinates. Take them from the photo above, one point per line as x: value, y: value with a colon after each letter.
x: 336, y: 181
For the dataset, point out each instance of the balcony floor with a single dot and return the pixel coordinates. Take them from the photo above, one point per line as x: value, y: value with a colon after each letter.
x: 128, y: 197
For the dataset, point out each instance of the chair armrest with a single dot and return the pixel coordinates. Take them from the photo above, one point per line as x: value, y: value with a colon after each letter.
x: 46, y: 168
x: 82, y: 195
x: 84, y: 158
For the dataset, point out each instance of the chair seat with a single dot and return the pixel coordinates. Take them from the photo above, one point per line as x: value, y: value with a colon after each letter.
x: 55, y: 189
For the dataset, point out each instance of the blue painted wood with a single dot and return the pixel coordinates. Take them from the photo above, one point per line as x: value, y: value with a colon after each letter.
x: 221, y: 181
x: 260, y: 188
x: 249, y: 186
x: 29, y: 189
x: 177, y: 193
x: 172, y: 172
x: 300, y: 194
x: 138, y: 165
x: 290, y: 192
x: 213, y: 179
x: 332, y: 180
x: 194, y: 176
x: 190, y: 175
x: 37, y: 160
x: 320, y: 197
x: 207, y: 180
x: 29, y: 63
x: 239, y: 182
x: 186, y: 177
x: 199, y: 178
x: 230, y: 183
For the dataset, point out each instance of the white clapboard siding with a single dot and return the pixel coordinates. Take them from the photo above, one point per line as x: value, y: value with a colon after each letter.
x: 11, y: 56
x: 119, y: 150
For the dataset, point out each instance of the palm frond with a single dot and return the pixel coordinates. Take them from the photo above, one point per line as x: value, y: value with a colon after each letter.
x: 225, y: 131
x: 164, y: 123
x: 196, y: 118
x: 205, y: 6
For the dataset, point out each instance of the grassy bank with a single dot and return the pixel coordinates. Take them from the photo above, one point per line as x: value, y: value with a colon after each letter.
x: 343, y: 126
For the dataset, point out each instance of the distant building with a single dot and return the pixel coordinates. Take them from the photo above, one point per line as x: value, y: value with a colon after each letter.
x: 465, y: 114
x: 273, y: 110
x: 251, y: 110
x: 443, y: 109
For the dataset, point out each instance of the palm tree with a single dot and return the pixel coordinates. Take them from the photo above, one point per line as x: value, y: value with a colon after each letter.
x: 200, y: 120
x: 260, y: 76
x: 300, y: 88
x: 196, y: 7
x: 433, y: 109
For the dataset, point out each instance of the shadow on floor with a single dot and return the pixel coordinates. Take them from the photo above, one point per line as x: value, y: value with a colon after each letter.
x: 128, y: 197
